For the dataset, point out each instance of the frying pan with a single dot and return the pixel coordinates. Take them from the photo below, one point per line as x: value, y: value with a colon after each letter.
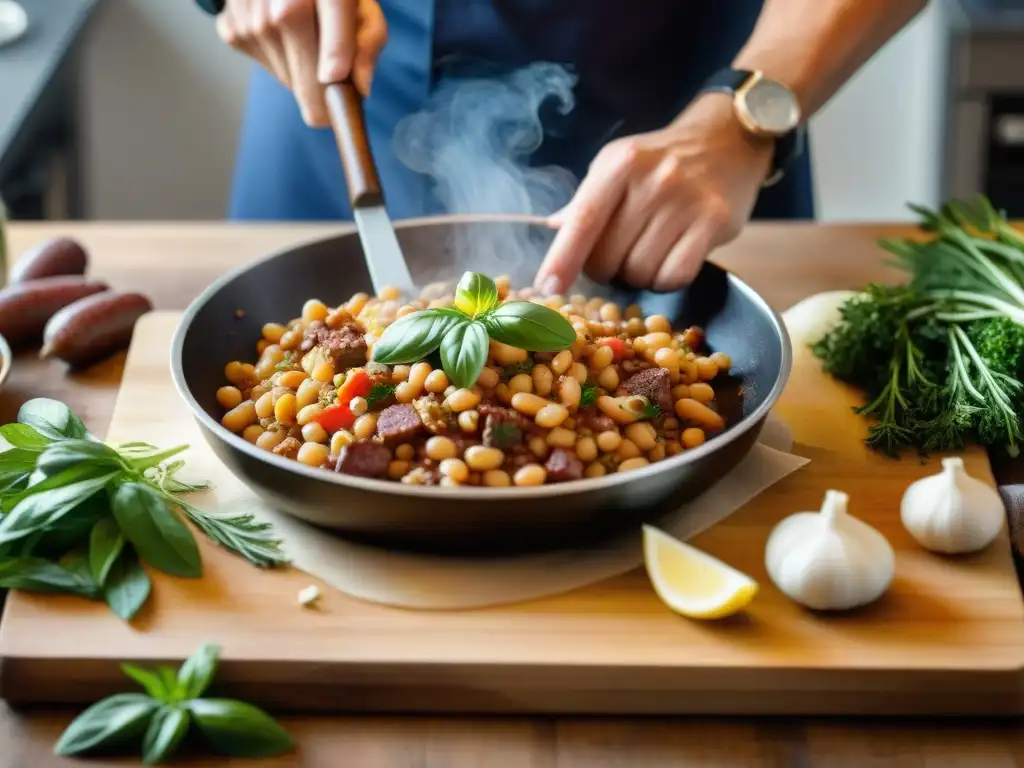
x: 225, y: 323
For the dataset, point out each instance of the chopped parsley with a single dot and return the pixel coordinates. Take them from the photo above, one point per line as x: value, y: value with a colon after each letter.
x: 588, y: 395
x: 526, y: 366
x: 379, y: 393
x: 650, y: 411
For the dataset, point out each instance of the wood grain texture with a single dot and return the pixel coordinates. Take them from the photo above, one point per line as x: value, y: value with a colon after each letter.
x: 785, y: 263
x: 947, y: 638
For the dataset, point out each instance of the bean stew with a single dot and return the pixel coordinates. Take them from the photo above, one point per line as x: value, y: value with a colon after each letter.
x: 622, y: 392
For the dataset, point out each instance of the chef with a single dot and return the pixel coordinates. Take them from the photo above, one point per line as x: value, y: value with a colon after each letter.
x: 689, y: 116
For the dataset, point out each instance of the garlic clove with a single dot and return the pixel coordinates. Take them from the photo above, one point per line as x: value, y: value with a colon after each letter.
x: 829, y: 560
x: 951, y: 512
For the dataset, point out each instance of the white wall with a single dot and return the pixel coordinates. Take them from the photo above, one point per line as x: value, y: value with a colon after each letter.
x: 878, y: 144
x: 162, y: 102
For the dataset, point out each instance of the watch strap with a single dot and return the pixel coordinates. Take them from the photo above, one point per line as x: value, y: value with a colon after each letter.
x: 726, y: 80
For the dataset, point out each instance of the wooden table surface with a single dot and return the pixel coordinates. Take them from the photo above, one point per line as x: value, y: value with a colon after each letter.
x: 785, y: 263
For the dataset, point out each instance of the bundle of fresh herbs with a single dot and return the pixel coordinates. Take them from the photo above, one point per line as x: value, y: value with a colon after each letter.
x: 77, y: 516
x: 160, y: 719
x: 940, y: 358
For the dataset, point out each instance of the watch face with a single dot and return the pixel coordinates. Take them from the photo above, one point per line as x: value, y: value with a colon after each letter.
x: 772, y: 107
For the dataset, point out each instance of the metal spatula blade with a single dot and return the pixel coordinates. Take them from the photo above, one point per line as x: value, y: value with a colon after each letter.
x: 383, y: 255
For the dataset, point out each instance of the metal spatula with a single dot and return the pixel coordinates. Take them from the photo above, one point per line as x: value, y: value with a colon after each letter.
x: 380, y: 246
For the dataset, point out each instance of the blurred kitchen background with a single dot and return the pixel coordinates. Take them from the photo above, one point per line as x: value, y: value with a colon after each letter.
x: 129, y: 109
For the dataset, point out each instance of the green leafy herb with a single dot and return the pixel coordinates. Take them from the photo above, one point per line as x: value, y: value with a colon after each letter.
x: 151, y: 681
x: 379, y: 393
x: 127, y: 585
x: 112, y: 722
x: 25, y: 437
x: 160, y: 538
x: 475, y: 294
x: 464, y: 352
x: 239, y: 729
x: 525, y: 366
x: 940, y: 357
x: 529, y: 326
x: 477, y: 318
x: 650, y: 411
x: 105, y: 545
x: 159, y: 720
x: 41, y: 506
x: 76, y: 514
x: 35, y: 574
x: 588, y: 394
x: 414, y: 336
x: 197, y: 672
x: 52, y: 419
x: 165, y: 733
x: 64, y: 455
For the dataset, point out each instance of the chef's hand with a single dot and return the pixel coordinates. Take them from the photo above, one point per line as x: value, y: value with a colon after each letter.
x: 652, y: 206
x: 307, y: 44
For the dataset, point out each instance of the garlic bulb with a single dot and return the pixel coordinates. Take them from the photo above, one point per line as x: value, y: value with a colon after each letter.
x: 952, y: 512
x: 829, y: 560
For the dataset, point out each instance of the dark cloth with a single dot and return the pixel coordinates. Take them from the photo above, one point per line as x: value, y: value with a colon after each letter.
x: 637, y: 66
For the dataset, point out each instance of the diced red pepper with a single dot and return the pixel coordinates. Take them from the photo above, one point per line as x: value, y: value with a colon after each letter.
x: 335, y: 417
x: 357, y: 384
x: 339, y: 416
x: 617, y: 345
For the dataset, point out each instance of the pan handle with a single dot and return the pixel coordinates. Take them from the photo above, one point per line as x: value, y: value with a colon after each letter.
x: 345, y: 108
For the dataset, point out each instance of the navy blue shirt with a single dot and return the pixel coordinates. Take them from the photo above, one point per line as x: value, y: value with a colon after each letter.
x: 636, y: 65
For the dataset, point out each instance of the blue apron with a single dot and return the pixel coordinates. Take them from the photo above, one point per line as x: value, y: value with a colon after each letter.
x: 636, y: 70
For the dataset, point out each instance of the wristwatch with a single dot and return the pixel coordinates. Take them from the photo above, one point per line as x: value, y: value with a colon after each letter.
x: 765, y: 108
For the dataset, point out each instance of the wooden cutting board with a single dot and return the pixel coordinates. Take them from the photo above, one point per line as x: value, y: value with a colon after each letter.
x: 948, y: 638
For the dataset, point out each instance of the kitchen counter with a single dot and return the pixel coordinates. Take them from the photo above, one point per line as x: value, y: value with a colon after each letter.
x: 173, y: 263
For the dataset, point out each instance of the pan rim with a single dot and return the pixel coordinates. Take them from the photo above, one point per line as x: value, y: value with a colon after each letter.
x: 440, y: 492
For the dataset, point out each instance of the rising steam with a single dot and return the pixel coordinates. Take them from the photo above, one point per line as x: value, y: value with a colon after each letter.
x: 474, y: 138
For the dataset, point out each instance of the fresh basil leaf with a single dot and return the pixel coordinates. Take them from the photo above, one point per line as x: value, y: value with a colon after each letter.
x: 39, y: 482
x: 164, y: 735
x: 17, y: 460
x: 77, y: 562
x: 114, y: 721
x: 127, y: 587
x: 143, y: 461
x: 198, y: 671
x: 72, y: 530
x: 149, y: 680
x: 169, y: 678
x: 464, y: 352
x: 529, y: 326
x: 411, y: 338
x: 156, y: 531
x: 475, y: 294
x: 24, y: 436
x: 238, y: 729
x: 39, y: 510
x: 34, y: 574
x: 105, y: 545
x: 71, y: 453
x: 52, y: 418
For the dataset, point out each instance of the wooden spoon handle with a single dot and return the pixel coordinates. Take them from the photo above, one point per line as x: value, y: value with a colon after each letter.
x: 345, y: 108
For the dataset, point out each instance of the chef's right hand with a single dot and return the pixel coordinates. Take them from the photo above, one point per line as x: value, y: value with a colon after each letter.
x: 307, y: 44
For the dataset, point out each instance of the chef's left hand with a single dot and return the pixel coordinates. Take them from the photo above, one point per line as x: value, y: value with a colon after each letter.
x: 652, y: 206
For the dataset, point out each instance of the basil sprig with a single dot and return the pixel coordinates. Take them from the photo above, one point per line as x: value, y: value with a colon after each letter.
x: 80, y: 517
x: 160, y: 719
x: 463, y: 334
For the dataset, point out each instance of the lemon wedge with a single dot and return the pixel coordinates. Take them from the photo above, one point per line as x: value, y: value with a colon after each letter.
x: 691, y: 582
